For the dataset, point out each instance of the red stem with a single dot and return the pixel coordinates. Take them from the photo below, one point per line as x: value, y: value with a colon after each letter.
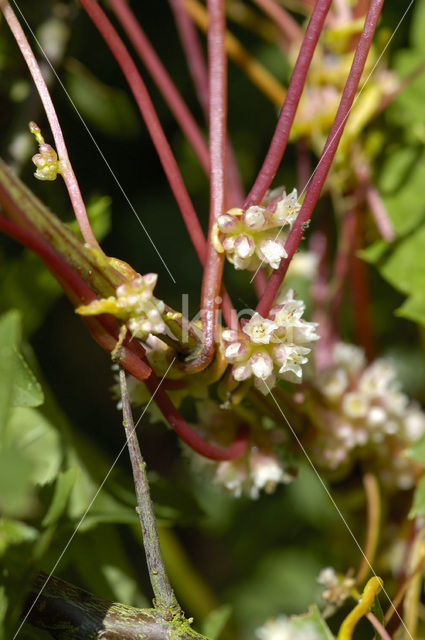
x: 303, y: 164
x: 211, y: 281
x: 187, y: 434
x: 67, y: 170
x: 147, y: 110
x: 341, y: 264
x: 328, y: 153
x: 199, y: 72
x: 104, y: 329
x: 162, y: 79
x: 281, y: 135
x: 380, y: 214
x: 193, y: 50
x: 360, y: 292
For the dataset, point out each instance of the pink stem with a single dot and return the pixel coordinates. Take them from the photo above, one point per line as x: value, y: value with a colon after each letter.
x: 199, y: 72
x: 322, y: 352
x: 341, y: 263
x: 193, y: 51
x: 281, y: 135
x: 360, y: 292
x: 66, y: 169
x: 379, y: 213
x: 162, y: 78
x: 187, y: 434
x: 378, y: 626
x: 283, y: 19
x: 328, y: 153
x: 303, y: 164
x: 104, y: 328
x: 140, y: 93
x: 211, y: 281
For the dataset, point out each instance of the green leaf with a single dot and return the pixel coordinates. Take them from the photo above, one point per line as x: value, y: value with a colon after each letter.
x: 15, y: 532
x: 401, y: 183
x: 29, y: 287
x: 108, y: 108
x: 30, y: 433
x: 9, y: 337
x: 312, y: 621
x: 63, y: 487
x: 17, y: 497
x: 418, y: 506
x: 406, y: 109
x: 214, y: 623
x: 27, y: 391
x: 417, y: 27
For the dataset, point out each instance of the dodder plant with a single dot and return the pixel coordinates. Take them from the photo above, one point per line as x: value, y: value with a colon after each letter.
x: 264, y: 392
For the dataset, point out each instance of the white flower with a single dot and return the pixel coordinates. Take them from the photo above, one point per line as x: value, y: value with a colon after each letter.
x: 361, y: 412
x: 252, y: 237
x: 260, y: 330
x: 271, y: 347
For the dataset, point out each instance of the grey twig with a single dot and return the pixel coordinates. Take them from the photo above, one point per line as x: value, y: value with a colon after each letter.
x: 164, y: 594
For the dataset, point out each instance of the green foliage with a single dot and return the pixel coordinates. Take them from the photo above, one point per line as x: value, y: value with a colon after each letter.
x: 107, y: 108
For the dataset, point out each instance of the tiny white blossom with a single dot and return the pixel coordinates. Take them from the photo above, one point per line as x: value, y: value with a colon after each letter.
x: 252, y: 237
x: 271, y: 347
x: 260, y: 330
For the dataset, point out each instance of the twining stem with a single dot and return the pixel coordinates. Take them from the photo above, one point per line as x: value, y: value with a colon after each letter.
x: 380, y: 214
x: 162, y: 79
x: 193, y: 51
x: 372, y: 588
x: 199, y: 72
x: 326, y: 158
x: 164, y: 594
x: 147, y: 110
x: 187, y: 434
x: 413, y: 592
x: 396, y: 601
x: 360, y: 290
x: 255, y: 71
x: 296, y: 85
x: 378, y: 626
x: 66, y: 167
x: 217, y: 99
x: 373, y: 500
x: 104, y: 329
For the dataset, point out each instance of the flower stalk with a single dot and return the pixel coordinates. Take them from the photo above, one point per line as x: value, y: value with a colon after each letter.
x: 67, y: 171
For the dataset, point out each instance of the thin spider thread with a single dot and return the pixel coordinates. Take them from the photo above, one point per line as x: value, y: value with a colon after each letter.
x: 343, y: 122
x: 90, y: 504
x: 336, y: 506
x: 102, y: 155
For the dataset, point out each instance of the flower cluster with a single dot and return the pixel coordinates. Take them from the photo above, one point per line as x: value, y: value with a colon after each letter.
x: 337, y: 587
x: 362, y: 412
x: 46, y: 160
x: 283, y: 628
x: 252, y: 237
x: 259, y: 469
x: 135, y: 304
x: 271, y: 347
